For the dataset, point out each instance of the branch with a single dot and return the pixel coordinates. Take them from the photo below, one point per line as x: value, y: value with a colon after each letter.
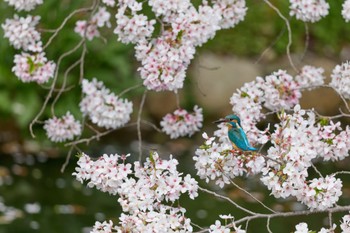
x: 296, y: 213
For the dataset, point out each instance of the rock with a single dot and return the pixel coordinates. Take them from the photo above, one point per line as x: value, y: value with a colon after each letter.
x: 158, y: 104
x: 216, y: 78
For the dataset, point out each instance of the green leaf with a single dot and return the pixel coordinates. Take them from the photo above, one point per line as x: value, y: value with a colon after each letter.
x: 324, y: 121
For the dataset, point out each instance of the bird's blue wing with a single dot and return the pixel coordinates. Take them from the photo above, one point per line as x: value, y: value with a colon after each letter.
x: 239, y: 138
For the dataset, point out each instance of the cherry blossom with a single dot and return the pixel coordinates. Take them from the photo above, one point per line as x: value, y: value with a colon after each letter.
x: 275, y: 91
x: 63, y: 128
x: 341, y: 79
x: 166, y: 57
x: 296, y: 140
x: 89, y: 29
x: 310, y: 77
x: 132, y: 29
x: 322, y: 193
x: 104, y: 227
x: 181, y: 123
x: 33, y: 68
x: 220, y: 162
x: 24, y: 5
x: 232, y: 12
x: 145, y: 194
x: 345, y: 223
x: 309, y: 10
x: 218, y: 228
x: 346, y: 10
x: 303, y: 228
x: 21, y: 32
x: 166, y: 219
x: 109, y: 2
x: 281, y: 91
x: 103, y: 107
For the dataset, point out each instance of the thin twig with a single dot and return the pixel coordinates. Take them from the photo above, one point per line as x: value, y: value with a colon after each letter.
x: 330, y: 219
x: 268, y: 225
x: 307, y: 41
x: 246, y: 225
x: 289, y: 33
x: 139, y: 136
x: 152, y: 125
x: 52, y: 87
x: 92, y: 128
x: 246, y: 192
x: 196, y: 225
x: 229, y: 200
x: 316, y: 170
x: 341, y: 173
x: 56, y: 31
x: 67, y: 159
x: 82, y: 62
x: 271, y: 45
x: 97, y: 136
x: 63, y: 85
x: 129, y: 89
x: 343, y: 113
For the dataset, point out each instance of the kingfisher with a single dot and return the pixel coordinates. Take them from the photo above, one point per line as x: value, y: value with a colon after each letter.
x: 236, y: 133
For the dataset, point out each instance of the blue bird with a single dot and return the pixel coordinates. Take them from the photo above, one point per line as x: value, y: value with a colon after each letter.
x: 236, y: 134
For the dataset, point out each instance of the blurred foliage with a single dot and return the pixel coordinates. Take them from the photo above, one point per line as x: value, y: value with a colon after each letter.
x: 262, y: 28
x: 114, y: 63
x: 111, y: 62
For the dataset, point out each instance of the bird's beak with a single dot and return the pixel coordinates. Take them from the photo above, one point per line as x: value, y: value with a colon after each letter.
x: 220, y: 121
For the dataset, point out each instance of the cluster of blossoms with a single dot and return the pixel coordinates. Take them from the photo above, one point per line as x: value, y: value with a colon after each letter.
x: 297, y: 139
x: 276, y: 91
x: 345, y: 224
x: 309, y: 10
x: 303, y: 228
x: 144, y: 196
x: 341, y: 79
x: 218, y: 228
x: 63, y: 128
x: 33, y: 68
x: 24, y: 5
x: 103, y: 227
x: 346, y: 10
x: 165, y: 58
x: 310, y: 77
x: 220, y: 162
x: 132, y: 26
x: 103, y: 107
x: 22, y: 34
x: 31, y: 65
x: 89, y: 29
x: 181, y: 123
